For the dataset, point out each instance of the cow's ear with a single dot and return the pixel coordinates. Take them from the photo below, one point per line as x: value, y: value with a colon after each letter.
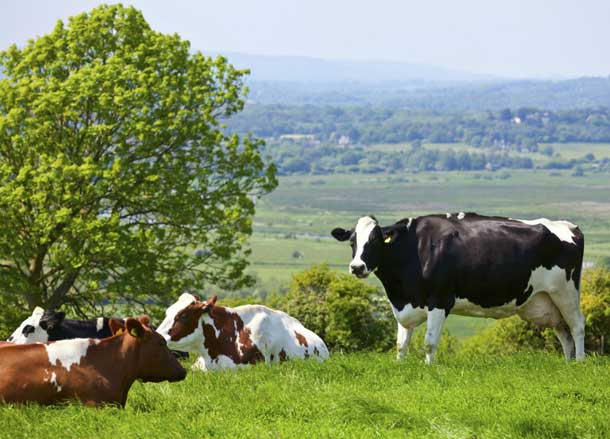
x: 390, y: 234
x: 134, y: 327
x: 208, y: 304
x: 116, y: 326
x: 144, y: 319
x: 341, y: 234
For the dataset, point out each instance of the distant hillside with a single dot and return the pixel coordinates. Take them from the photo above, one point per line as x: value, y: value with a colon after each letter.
x: 456, y: 96
x: 298, y: 68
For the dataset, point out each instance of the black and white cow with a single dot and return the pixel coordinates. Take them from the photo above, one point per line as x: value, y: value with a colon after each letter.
x: 474, y: 265
x: 43, y: 326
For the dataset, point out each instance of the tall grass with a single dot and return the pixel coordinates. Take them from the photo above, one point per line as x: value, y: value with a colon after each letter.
x: 353, y: 396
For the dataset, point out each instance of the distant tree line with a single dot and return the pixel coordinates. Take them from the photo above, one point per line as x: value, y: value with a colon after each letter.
x: 523, y: 128
x: 296, y: 158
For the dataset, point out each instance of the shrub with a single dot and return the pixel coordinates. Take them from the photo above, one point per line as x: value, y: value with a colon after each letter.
x: 348, y: 314
x: 507, y: 336
x: 595, y: 304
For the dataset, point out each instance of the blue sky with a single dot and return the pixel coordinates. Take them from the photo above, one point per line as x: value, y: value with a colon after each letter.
x: 518, y: 38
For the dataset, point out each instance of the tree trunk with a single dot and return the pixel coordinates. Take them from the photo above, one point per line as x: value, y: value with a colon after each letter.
x: 57, y: 298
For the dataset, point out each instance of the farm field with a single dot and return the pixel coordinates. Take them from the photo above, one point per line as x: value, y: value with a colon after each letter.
x: 566, y: 151
x: 351, y: 396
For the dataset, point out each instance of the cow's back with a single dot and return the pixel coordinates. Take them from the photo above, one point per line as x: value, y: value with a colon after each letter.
x: 490, y: 260
x: 24, y: 374
x: 280, y: 334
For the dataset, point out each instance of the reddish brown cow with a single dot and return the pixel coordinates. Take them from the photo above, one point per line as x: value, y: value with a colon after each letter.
x: 93, y: 371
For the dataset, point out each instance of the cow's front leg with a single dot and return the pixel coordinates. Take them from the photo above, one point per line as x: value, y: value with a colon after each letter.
x: 434, y: 327
x: 403, y: 338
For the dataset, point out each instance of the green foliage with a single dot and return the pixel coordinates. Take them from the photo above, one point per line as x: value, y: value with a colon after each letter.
x: 449, y: 344
x: 113, y: 163
x: 348, y: 314
x: 595, y: 303
x: 364, y: 395
x: 510, y: 335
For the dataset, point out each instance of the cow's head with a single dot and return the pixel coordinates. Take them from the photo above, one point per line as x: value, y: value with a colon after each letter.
x: 30, y: 330
x: 51, y: 320
x: 154, y: 360
x: 182, y: 326
x: 367, y: 241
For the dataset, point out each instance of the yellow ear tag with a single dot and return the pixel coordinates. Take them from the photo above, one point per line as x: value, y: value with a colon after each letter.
x: 120, y: 331
x: 133, y: 332
x: 388, y: 239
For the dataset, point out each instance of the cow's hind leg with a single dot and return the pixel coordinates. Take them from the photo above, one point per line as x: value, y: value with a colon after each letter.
x: 434, y: 328
x: 568, y: 302
x: 542, y: 312
x: 565, y: 338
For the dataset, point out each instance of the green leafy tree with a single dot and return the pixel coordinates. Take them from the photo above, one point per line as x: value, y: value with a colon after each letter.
x: 347, y: 313
x: 114, y: 165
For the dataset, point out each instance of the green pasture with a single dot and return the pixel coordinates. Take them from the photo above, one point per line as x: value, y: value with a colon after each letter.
x: 362, y: 395
x: 563, y: 151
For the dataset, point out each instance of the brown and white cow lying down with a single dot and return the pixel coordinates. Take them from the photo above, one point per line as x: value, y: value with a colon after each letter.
x: 226, y: 338
x: 92, y: 370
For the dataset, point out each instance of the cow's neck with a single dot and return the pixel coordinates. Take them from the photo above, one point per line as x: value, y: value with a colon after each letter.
x: 399, y: 277
x: 117, y: 360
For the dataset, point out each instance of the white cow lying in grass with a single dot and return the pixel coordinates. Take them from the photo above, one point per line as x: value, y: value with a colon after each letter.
x: 226, y: 338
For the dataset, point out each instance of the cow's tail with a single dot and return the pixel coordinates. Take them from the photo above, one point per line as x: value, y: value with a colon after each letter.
x: 579, y: 240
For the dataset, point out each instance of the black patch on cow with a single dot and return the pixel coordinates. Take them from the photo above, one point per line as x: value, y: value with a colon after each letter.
x: 27, y: 330
x: 486, y: 260
x: 60, y: 328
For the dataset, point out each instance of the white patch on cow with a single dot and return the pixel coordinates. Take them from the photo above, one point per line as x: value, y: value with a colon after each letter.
x: 561, y: 229
x: 53, y: 381
x: 39, y: 335
x: 170, y: 314
x: 67, y: 352
x: 410, y: 317
x: 99, y: 324
x: 551, y: 281
x: 363, y: 229
x: 461, y: 215
x: 409, y: 223
x: 448, y: 215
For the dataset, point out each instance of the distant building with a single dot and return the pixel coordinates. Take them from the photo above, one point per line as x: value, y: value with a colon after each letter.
x: 343, y: 141
x: 517, y: 120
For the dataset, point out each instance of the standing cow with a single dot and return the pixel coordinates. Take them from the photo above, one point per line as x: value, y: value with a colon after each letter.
x: 226, y: 338
x: 474, y: 265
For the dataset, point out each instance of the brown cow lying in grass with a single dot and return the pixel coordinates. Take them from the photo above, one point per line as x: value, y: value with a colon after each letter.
x: 93, y: 371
